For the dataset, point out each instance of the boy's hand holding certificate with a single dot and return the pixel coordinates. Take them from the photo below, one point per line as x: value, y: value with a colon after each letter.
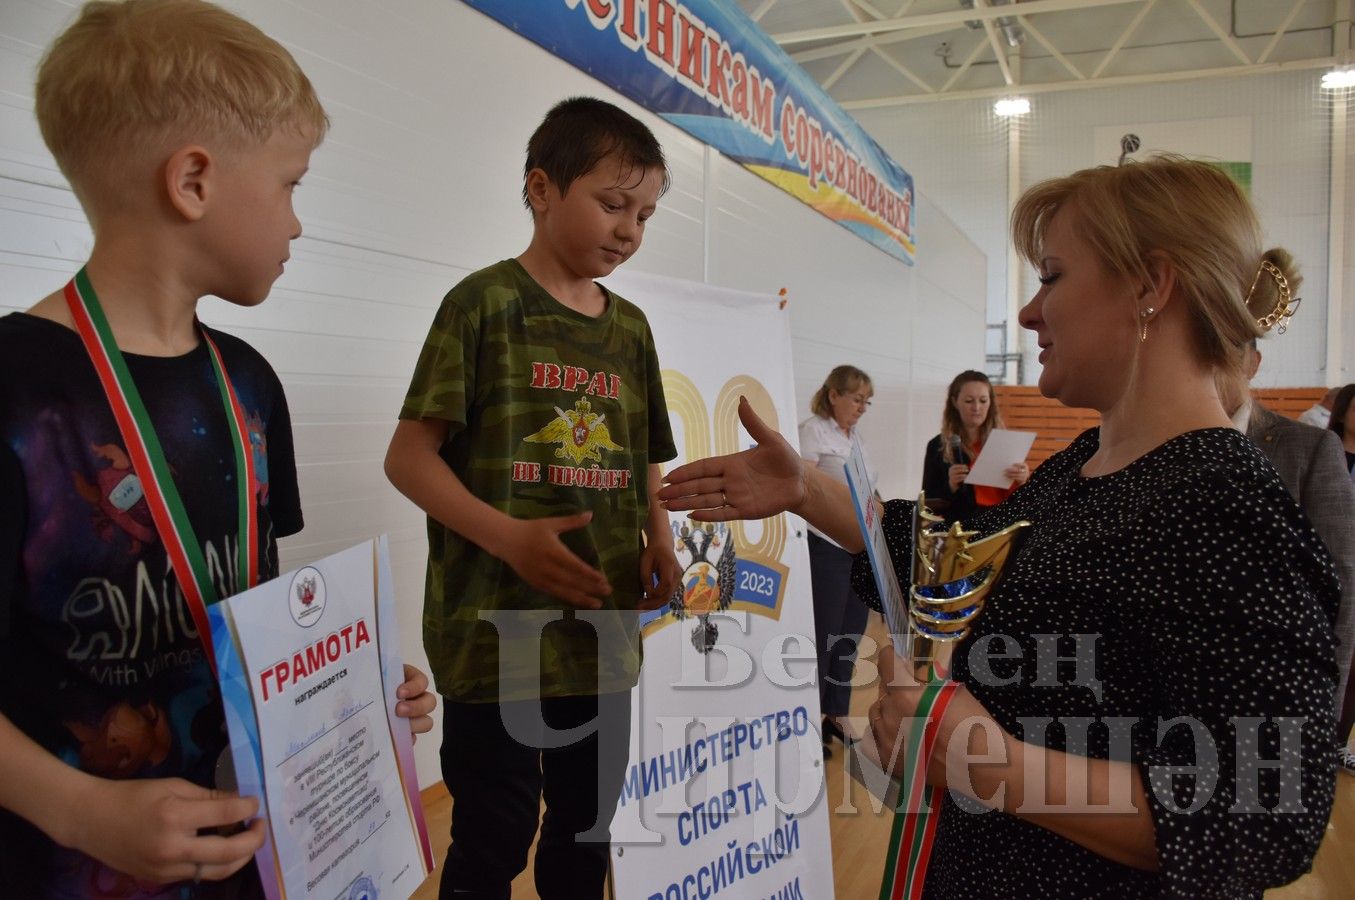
x: 309, y: 664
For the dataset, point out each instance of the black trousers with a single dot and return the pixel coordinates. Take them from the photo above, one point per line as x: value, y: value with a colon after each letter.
x: 839, y: 621
x: 499, y: 763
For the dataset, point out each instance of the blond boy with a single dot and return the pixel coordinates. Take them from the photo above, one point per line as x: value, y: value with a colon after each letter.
x: 183, y: 131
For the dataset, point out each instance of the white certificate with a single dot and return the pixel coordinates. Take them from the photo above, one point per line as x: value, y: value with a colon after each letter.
x: 1002, y: 450
x: 868, y: 517
x: 308, y: 664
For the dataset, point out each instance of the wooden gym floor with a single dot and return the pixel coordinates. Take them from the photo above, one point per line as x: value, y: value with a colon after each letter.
x: 860, y: 837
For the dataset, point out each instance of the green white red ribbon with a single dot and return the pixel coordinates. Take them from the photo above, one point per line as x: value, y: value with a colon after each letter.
x: 910, y: 840
x: 151, y: 468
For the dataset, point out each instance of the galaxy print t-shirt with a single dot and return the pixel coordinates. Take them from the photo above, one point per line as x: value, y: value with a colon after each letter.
x: 100, y: 661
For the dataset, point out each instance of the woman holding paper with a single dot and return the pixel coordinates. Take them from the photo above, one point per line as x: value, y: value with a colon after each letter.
x: 1165, y: 632
x: 970, y: 415
x: 839, y: 615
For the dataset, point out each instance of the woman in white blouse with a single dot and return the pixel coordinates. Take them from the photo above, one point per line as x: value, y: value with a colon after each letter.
x: 839, y: 615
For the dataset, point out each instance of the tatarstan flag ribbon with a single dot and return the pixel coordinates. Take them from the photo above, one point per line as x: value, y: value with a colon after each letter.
x: 152, y: 470
x: 910, y: 841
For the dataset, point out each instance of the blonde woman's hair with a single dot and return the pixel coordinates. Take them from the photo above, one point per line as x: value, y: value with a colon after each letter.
x: 950, y: 416
x: 1187, y: 210
x: 1234, y: 385
x: 127, y: 78
x: 844, y: 380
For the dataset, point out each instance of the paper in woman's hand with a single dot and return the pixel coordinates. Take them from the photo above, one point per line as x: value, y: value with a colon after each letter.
x: 1001, y: 451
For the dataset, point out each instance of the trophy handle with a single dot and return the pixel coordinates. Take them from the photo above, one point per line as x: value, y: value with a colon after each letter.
x: 952, y: 578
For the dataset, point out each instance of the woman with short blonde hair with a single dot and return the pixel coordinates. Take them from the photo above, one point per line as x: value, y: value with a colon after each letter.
x: 839, y: 615
x: 1165, y: 634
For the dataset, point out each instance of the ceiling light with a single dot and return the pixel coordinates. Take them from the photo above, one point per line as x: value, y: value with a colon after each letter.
x: 1018, y: 106
x: 1339, y: 79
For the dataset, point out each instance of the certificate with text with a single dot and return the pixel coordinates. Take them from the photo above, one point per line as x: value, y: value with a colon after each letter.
x: 309, y: 664
x: 870, y: 518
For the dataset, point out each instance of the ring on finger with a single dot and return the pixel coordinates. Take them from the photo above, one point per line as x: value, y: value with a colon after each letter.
x: 724, y: 499
x: 197, y: 873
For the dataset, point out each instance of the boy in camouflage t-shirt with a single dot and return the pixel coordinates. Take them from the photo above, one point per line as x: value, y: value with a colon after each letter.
x: 531, y: 435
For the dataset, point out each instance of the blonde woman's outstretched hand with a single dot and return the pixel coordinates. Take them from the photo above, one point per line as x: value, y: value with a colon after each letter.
x: 762, y: 481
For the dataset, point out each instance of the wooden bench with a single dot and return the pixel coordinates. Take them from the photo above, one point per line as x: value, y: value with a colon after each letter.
x: 1055, y: 425
x: 1291, y: 402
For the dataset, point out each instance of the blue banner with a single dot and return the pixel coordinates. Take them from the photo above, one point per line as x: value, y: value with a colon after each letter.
x: 707, y: 68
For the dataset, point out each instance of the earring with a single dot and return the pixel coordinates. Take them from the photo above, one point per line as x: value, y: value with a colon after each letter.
x: 1145, y: 314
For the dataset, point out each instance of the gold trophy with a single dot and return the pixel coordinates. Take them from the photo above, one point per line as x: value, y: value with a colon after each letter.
x: 951, y: 578
x: 952, y: 575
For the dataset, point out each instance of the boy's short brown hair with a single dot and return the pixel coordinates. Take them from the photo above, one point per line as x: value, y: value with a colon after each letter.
x: 127, y: 77
x: 580, y: 132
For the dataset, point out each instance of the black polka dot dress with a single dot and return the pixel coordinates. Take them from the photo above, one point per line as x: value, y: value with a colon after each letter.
x: 1175, y: 613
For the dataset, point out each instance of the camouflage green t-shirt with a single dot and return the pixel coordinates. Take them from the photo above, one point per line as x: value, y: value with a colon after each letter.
x: 550, y: 413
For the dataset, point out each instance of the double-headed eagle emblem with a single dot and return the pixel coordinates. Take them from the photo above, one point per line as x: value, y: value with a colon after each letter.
x: 705, y: 587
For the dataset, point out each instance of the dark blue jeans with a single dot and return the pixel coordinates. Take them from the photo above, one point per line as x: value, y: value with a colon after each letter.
x: 497, y: 781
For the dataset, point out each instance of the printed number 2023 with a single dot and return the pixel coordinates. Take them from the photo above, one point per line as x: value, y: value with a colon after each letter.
x: 757, y: 583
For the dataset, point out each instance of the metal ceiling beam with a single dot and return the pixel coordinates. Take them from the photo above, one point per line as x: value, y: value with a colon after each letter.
x: 1279, y: 32
x: 855, y: 55
x: 842, y: 69
x: 903, y: 70
x: 880, y: 26
x: 964, y: 67
x: 1222, y: 35
x: 1054, y: 51
x: 864, y: 7
x: 1342, y: 34
x: 897, y: 37
x: 1125, y: 36
x: 996, y: 43
x: 761, y: 11
x: 872, y: 44
x: 1325, y: 62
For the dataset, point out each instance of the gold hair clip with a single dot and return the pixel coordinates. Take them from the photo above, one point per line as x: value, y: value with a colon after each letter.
x: 1285, y: 304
